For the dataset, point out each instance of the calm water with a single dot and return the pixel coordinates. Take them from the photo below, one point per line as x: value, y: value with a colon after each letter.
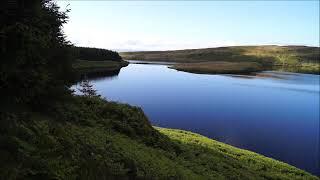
x: 276, y: 115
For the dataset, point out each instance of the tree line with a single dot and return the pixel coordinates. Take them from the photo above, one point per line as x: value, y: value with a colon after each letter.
x: 95, y: 54
x: 36, y: 59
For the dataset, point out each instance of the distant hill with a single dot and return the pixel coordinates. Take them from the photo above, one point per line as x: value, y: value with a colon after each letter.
x: 262, y: 54
x: 237, y: 59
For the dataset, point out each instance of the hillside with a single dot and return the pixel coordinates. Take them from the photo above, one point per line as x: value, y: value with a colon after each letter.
x: 91, y: 138
x: 263, y: 54
x: 304, y: 58
x: 48, y: 132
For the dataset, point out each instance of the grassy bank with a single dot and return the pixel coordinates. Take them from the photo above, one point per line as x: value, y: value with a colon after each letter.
x: 84, y: 66
x: 91, y: 138
x: 213, y: 157
x: 309, y: 68
x: 296, y: 58
x: 242, y: 68
x: 219, y: 67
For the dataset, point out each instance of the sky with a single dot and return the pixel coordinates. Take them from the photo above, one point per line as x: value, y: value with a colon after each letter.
x: 170, y: 25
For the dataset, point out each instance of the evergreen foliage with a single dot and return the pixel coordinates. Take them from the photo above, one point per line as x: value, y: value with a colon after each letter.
x: 95, y: 54
x: 86, y: 88
x: 36, y: 60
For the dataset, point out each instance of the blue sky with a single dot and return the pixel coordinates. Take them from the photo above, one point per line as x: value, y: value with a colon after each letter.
x: 168, y: 25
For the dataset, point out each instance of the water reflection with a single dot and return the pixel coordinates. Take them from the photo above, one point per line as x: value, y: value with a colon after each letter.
x: 100, y: 75
x: 275, y: 114
x: 151, y: 62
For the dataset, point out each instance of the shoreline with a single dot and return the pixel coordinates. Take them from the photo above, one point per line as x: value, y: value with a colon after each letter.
x: 195, y: 139
x: 302, y: 59
x: 239, y: 68
x: 189, y: 132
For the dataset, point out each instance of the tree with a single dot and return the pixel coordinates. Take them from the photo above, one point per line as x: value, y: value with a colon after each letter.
x: 35, y: 66
x: 87, y: 89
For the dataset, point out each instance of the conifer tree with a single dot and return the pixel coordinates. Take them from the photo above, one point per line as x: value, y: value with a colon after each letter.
x: 86, y: 88
x: 36, y: 60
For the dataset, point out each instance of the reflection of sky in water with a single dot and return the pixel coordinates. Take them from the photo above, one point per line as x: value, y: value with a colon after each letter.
x: 277, y: 117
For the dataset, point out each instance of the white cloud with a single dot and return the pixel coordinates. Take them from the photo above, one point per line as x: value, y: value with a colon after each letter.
x: 96, y: 35
x: 121, y: 43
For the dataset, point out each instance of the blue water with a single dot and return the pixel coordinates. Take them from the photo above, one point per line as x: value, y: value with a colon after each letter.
x: 276, y: 115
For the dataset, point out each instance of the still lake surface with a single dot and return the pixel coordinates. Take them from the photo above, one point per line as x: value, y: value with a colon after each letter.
x: 275, y: 114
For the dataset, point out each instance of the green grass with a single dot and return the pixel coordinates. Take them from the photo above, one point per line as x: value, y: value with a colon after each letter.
x: 91, y: 138
x: 267, y: 56
x: 218, y: 160
x: 309, y: 68
x: 84, y: 66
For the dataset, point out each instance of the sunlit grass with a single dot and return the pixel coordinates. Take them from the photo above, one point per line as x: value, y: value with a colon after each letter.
x: 295, y: 57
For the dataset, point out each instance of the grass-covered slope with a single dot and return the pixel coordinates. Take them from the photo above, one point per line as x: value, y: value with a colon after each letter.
x: 84, y: 66
x: 90, y: 138
x: 262, y: 54
x: 294, y: 58
x: 216, y: 160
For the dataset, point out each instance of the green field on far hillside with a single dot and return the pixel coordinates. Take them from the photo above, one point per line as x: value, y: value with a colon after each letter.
x: 293, y: 58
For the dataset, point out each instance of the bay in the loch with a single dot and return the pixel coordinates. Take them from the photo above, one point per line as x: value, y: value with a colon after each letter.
x: 275, y: 114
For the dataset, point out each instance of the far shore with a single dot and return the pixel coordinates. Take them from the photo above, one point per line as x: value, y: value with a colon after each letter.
x: 225, y: 67
x: 219, y: 67
x: 235, y: 59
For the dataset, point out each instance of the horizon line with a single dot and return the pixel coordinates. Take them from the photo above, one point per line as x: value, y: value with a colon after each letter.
x: 128, y: 50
